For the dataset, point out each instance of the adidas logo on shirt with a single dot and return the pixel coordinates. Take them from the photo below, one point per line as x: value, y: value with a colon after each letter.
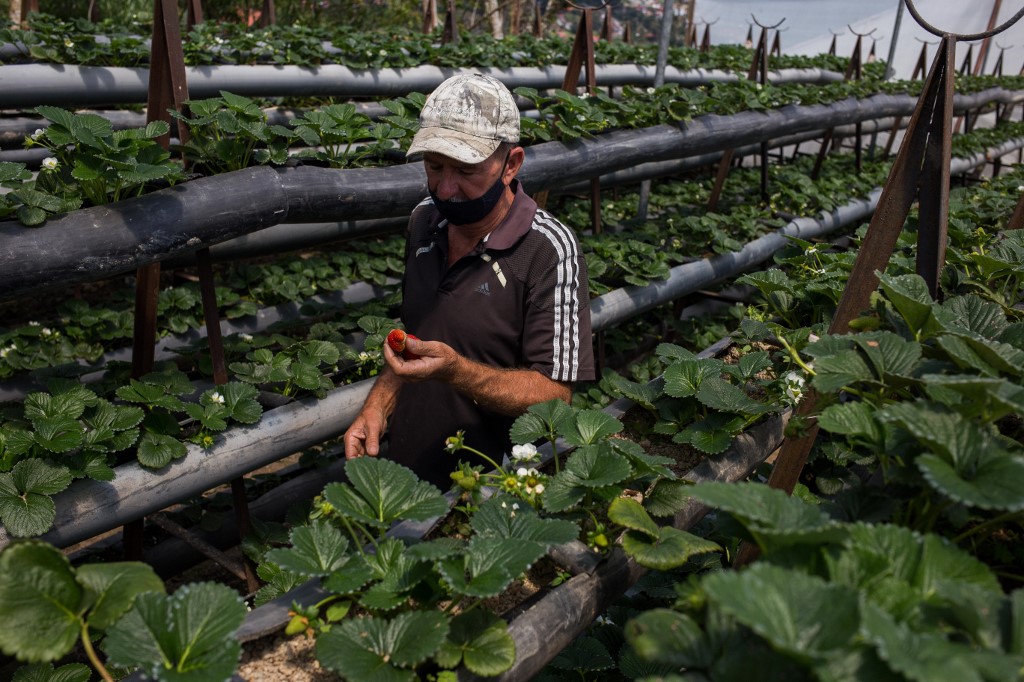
x: 484, y: 289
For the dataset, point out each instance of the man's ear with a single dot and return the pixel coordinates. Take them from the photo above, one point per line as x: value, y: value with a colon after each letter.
x: 515, y: 163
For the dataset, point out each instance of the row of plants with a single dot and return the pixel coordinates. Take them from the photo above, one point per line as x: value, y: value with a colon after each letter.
x: 62, y: 41
x: 899, y: 557
x: 676, y: 230
x: 883, y: 572
x: 92, y: 164
x: 630, y: 252
x: 311, y: 359
x: 65, y: 425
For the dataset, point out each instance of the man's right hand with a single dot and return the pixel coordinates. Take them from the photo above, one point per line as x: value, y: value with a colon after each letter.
x: 363, y: 436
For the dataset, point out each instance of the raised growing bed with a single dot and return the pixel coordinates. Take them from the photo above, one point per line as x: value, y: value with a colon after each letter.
x: 29, y: 85
x: 107, y: 240
x: 91, y: 507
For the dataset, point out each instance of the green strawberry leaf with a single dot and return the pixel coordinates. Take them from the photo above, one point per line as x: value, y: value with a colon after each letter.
x: 113, y: 587
x: 380, y: 649
x: 189, y: 632
x: 26, y: 507
x: 157, y: 450
x: 479, y: 640
x: 317, y: 550
x: 380, y: 492
x: 40, y: 602
x: 504, y: 516
x: 489, y: 565
x: 669, y: 549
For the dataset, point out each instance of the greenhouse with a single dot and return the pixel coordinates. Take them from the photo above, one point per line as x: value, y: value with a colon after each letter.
x: 591, y: 341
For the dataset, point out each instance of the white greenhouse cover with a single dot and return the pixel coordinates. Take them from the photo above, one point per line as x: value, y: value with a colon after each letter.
x: 809, y: 27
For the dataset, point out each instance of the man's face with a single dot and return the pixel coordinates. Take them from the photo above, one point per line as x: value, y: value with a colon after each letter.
x: 454, y: 180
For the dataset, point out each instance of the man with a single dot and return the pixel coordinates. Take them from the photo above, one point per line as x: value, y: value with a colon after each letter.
x: 495, y: 288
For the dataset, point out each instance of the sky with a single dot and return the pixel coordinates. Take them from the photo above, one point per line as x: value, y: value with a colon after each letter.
x: 804, y: 19
x: 810, y: 24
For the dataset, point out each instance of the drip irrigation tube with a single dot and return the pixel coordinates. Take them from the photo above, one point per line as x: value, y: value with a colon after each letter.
x: 30, y: 85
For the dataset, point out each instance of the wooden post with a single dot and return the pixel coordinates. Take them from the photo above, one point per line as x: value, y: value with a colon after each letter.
x: 167, y: 89
x: 920, y: 173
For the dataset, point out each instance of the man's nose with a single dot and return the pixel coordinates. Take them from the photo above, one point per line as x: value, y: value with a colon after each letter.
x: 447, y: 186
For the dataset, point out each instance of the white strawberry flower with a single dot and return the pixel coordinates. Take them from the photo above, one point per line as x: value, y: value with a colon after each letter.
x: 524, y: 452
x: 50, y: 163
x: 217, y: 398
x: 794, y: 386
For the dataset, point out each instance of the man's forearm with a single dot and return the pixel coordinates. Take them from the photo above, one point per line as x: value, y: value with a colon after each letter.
x: 384, y: 393
x: 506, y: 391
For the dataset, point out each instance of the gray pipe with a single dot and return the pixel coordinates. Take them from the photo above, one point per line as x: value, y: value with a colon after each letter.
x: 30, y: 85
x: 97, y: 242
x: 91, y: 507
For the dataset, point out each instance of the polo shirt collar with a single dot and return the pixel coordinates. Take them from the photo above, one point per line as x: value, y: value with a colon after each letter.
x: 516, y: 223
x: 511, y: 229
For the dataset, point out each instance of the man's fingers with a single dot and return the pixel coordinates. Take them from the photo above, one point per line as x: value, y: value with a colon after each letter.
x: 359, y: 444
x: 354, y: 444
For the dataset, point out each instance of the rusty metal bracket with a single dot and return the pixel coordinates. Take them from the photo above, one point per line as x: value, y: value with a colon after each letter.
x: 776, y: 50
x: 450, y: 34
x: 758, y: 71
x: 268, y: 16
x: 705, y: 41
x: 833, y: 47
x: 205, y: 548
x: 854, y: 71
x: 193, y: 14
x: 220, y: 377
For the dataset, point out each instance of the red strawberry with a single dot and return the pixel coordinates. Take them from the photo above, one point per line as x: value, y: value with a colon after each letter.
x: 396, y: 339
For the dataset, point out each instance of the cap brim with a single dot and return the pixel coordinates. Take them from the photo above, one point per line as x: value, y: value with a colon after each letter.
x: 453, y: 144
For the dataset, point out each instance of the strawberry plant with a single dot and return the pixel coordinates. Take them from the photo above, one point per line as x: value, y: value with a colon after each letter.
x: 706, y: 402
x: 92, y: 163
x: 830, y: 598
x: 48, y: 606
x: 229, y: 133
x: 407, y: 594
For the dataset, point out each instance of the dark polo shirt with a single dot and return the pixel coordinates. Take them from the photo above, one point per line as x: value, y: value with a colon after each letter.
x: 519, y: 300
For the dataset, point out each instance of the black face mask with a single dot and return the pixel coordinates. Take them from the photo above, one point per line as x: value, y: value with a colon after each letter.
x: 473, y: 210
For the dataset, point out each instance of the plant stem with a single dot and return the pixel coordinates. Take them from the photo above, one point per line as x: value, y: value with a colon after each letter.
x: 91, y: 653
x: 984, y: 526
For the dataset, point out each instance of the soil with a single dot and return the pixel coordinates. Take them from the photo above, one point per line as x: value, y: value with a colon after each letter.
x: 639, y: 422
x: 279, y: 657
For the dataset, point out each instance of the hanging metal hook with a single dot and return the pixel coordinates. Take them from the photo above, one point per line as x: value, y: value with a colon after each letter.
x: 767, y: 27
x: 861, y: 35
x: 962, y: 37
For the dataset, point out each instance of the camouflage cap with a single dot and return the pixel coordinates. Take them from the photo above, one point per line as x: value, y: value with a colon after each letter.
x: 466, y: 118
